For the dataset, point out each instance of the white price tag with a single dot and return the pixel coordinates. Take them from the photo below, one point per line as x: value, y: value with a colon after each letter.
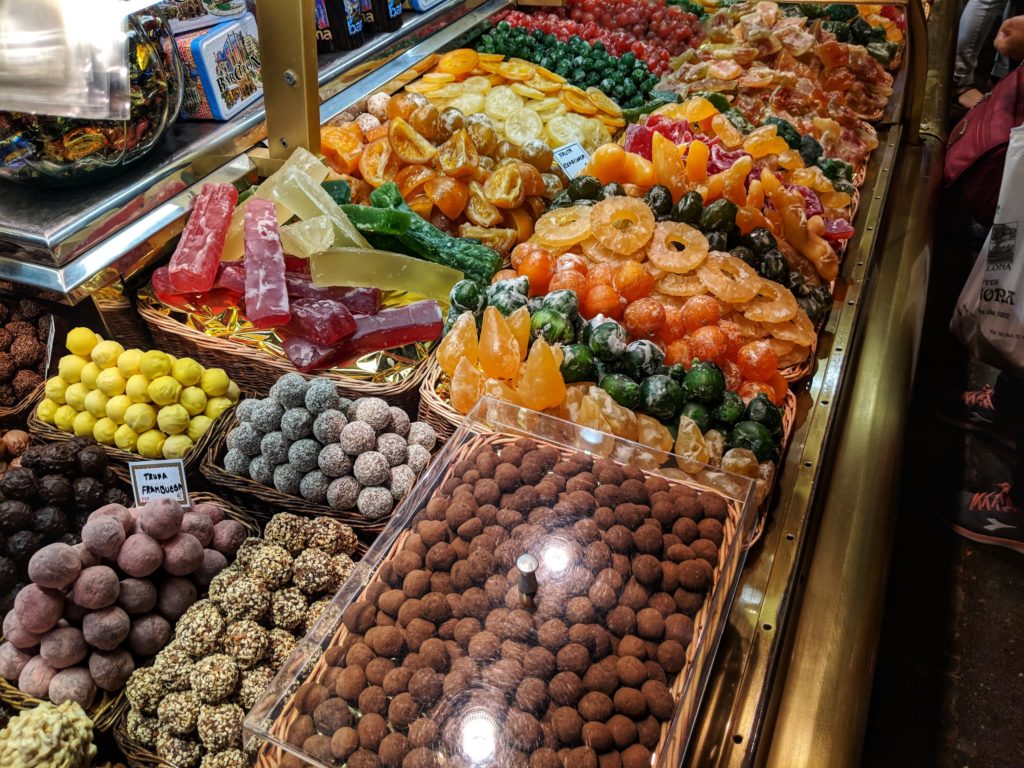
x: 159, y: 480
x: 572, y: 158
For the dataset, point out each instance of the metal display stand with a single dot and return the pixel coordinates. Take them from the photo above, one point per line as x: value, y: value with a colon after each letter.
x: 794, y: 668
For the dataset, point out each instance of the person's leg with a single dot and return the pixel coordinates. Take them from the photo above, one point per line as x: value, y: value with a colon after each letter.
x: 1007, y: 398
x: 976, y: 25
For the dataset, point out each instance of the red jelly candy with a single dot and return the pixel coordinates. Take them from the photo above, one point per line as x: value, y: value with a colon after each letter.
x: 324, y: 321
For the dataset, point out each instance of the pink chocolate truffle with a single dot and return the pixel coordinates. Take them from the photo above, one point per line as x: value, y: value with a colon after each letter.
x: 17, y: 634
x: 35, y: 678
x: 161, y: 518
x: 74, y: 684
x: 106, y: 629
x: 96, y: 587
x: 183, y: 553
x: 148, y: 635
x: 85, y: 555
x: 210, y: 510
x: 213, y: 563
x: 199, y: 525
x: 38, y: 609
x: 104, y: 535
x: 137, y: 596
x: 174, y: 597
x: 63, y: 647
x: 55, y: 566
x: 140, y: 556
x: 12, y: 661
x: 228, y: 536
x: 111, y: 669
x: 120, y: 513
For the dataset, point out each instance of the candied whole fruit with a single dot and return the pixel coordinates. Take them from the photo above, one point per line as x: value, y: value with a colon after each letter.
x: 699, y: 311
x: 569, y: 280
x: 709, y: 343
x: 757, y: 360
x: 633, y: 281
x: 537, y: 266
x: 644, y: 317
x: 602, y: 299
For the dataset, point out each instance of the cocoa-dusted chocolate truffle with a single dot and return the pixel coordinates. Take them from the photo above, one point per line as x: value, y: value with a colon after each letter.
x: 344, y: 742
x: 573, y: 658
x: 377, y: 670
x: 567, y: 725
x: 671, y: 656
x: 330, y: 715
x: 371, y: 729
x: 392, y: 750
x: 630, y: 702
x: 565, y: 688
x: 631, y: 671
x: 532, y: 695
x: 425, y: 686
x: 659, y: 699
x: 596, y: 706
x: 373, y: 699
x: 422, y: 733
x: 597, y: 736
x: 679, y: 627
x: 623, y: 731
x: 539, y: 662
x: 553, y: 634
x: 396, y: 681
x: 484, y: 646
x: 403, y: 710
x: 579, y: 610
x: 692, y: 576
x: 311, y: 695
x: 649, y: 624
x: 363, y: 758
x: 350, y: 683
x: 584, y: 757
x: 385, y: 641
x: 621, y: 620
x: 602, y: 677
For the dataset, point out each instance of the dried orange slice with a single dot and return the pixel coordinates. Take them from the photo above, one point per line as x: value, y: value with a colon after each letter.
x: 613, y: 122
x: 681, y: 285
x: 491, y: 67
x: 543, y: 85
x: 547, y: 74
x: 602, y: 102
x: 490, y: 56
x: 563, y: 227
x: 622, y: 224
x: 772, y: 304
x: 578, y: 103
x: 677, y: 247
x: 515, y: 70
x: 729, y: 278
x: 458, y: 62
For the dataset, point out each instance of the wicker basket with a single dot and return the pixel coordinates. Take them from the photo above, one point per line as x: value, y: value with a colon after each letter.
x: 265, y: 501
x: 119, y: 459
x: 256, y: 371
x: 16, y: 416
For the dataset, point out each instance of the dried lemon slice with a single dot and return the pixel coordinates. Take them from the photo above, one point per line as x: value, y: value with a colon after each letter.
x: 522, y: 126
x: 602, y: 102
x: 515, y: 70
x: 547, y: 108
x: 469, y: 103
x: 563, y: 130
x: 527, y: 92
x: 424, y: 87
x: 449, y: 91
x: 439, y: 77
x: 502, y: 102
x: 477, y: 84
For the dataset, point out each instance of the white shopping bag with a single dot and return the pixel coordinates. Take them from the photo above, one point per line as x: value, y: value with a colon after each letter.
x: 989, y: 316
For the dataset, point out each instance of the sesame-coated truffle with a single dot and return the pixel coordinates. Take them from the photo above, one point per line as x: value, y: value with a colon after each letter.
x: 180, y: 752
x: 333, y: 461
x: 343, y: 493
x: 371, y: 468
x: 144, y: 690
x: 290, y: 390
x: 178, y: 712
x: 231, y: 758
x: 313, y: 486
x: 287, y: 608
x: 199, y: 629
x: 287, y: 530
x: 399, y: 424
x: 357, y: 437
x: 236, y: 462
x: 246, y: 598
x: 172, y: 666
x: 266, y: 415
x: 245, y: 438
x: 341, y: 568
x: 254, y: 681
x: 270, y: 564
x: 312, y: 570
x: 246, y: 642
x: 287, y: 479
x: 297, y: 423
x: 261, y: 470
x: 303, y: 454
x: 332, y: 536
x: 220, y: 727
x: 274, y: 447
x: 321, y: 396
x: 374, y: 412
x: 328, y: 425
x: 141, y: 728
x: 421, y: 433
x: 402, y: 480
x: 375, y: 503
x: 282, y: 644
x: 418, y: 457
x: 214, y: 677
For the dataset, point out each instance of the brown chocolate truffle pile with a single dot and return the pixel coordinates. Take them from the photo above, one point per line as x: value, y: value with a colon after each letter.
x: 579, y: 675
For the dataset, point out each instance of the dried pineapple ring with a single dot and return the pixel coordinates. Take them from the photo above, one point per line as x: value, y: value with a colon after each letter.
x: 523, y: 126
x: 781, y: 347
x: 477, y: 84
x: 622, y: 224
x: 772, y: 304
x: 563, y: 130
x: 526, y: 91
x: 516, y: 69
x: 681, y: 285
x: 502, y: 102
x: 664, y: 253
x: 796, y: 357
x: 469, y: 103
x: 563, y: 226
x: 601, y: 255
x: 799, y: 330
x: 728, y: 278
x: 602, y: 102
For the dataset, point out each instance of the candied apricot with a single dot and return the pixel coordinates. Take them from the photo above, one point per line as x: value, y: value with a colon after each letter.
x: 448, y: 194
x: 669, y: 165
x: 607, y: 163
x: 537, y: 267
x: 569, y: 280
x: 757, y: 360
x: 602, y: 300
x: 699, y: 311
x: 639, y: 170
x: 679, y: 352
x: 643, y: 317
x: 633, y: 280
x: 709, y: 343
x: 697, y: 161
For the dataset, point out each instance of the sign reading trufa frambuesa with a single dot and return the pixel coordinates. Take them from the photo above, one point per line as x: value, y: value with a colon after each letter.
x: 163, y: 479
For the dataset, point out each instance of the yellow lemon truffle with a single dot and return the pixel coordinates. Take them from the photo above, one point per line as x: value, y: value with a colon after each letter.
x: 55, y: 389
x: 83, y: 424
x: 215, y: 406
x: 105, y: 354
x: 164, y: 390
x: 151, y: 443
x: 140, y: 417
x: 128, y: 362
x: 176, y: 446
x: 104, y: 430
x: 187, y: 371
x: 64, y: 418
x: 198, y: 427
x: 194, y: 400
x: 126, y: 438
x: 70, y: 368
x: 75, y: 394
x: 172, y: 419
x: 80, y: 341
x: 89, y: 375
x: 137, y: 389
x: 47, y: 409
x: 96, y: 404
x: 116, y: 407
x: 234, y: 394
x: 154, y: 363
x: 215, y: 382
x: 110, y: 382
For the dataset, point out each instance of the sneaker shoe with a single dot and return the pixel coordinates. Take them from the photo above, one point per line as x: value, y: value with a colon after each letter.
x: 991, y: 518
x: 978, y: 414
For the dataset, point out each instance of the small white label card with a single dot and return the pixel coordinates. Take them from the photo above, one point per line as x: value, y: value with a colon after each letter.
x: 572, y: 158
x: 159, y: 480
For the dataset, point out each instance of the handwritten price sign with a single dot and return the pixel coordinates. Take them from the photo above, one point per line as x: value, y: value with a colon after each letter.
x: 159, y: 480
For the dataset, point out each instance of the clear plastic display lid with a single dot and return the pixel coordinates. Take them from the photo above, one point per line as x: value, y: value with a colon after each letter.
x: 546, y: 595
